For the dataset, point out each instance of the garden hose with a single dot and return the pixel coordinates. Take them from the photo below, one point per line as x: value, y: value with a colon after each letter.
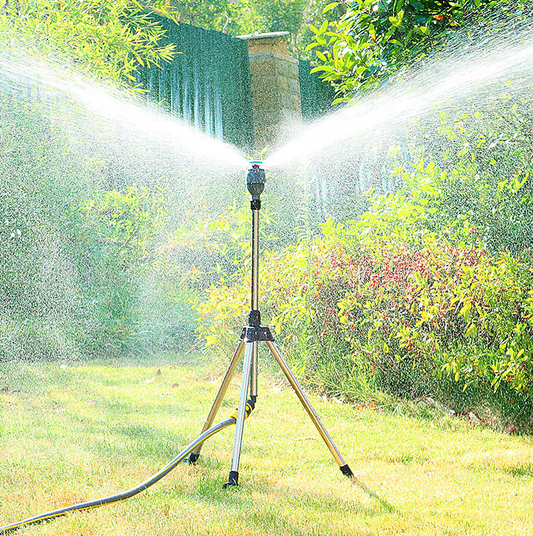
x: 137, y: 489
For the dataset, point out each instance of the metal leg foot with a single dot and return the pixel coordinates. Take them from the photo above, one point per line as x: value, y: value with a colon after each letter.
x: 345, y: 470
x: 233, y: 479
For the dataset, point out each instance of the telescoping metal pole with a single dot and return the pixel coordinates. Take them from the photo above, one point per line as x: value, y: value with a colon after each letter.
x: 255, y: 183
x: 254, y: 319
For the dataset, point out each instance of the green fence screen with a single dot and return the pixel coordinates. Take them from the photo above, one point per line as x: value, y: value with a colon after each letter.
x: 207, y: 83
x: 316, y: 94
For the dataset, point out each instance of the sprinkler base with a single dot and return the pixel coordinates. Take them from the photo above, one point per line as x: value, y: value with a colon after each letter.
x: 233, y: 479
x: 345, y: 470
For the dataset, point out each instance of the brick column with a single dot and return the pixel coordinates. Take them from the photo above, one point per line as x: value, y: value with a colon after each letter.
x: 275, y: 81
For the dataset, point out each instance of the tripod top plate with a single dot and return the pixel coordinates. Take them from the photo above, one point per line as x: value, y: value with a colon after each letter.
x: 253, y: 334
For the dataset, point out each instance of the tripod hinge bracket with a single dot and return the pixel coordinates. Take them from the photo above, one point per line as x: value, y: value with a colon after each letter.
x: 253, y: 334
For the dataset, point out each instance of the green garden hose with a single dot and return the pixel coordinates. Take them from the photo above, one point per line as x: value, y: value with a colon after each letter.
x: 133, y: 491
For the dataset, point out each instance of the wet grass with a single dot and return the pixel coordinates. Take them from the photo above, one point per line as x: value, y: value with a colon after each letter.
x: 77, y: 431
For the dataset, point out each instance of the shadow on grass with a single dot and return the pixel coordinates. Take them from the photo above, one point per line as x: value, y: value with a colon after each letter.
x: 525, y: 470
x: 288, y: 499
x: 385, y: 505
x: 138, y: 441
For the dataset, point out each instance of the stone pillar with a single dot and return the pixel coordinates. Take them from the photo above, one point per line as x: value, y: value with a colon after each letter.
x: 275, y: 80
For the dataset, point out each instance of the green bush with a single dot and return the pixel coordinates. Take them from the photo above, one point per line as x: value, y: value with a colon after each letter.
x: 73, y: 255
x: 372, y: 41
x: 381, y: 303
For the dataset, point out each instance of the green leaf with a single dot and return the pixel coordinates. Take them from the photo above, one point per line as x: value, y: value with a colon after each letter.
x: 330, y: 6
x: 465, y: 310
x: 398, y: 4
x: 325, y: 68
x: 393, y: 21
x: 472, y: 330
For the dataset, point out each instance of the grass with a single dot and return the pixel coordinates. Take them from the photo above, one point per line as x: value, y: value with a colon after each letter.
x: 78, y: 431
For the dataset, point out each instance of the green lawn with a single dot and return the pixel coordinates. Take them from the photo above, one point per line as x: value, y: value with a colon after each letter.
x: 79, y: 431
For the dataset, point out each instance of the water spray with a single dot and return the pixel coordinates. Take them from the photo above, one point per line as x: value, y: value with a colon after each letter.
x: 251, y: 336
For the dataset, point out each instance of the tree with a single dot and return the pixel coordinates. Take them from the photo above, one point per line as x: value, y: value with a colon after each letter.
x: 376, y: 38
x: 110, y: 37
x: 239, y: 17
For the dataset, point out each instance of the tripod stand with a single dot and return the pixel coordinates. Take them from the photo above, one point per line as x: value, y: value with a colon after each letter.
x: 251, y: 336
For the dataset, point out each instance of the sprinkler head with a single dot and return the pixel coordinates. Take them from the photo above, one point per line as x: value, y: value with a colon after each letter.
x: 256, y: 179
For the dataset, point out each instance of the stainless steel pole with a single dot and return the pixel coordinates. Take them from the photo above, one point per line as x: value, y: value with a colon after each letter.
x: 255, y: 256
x: 255, y: 371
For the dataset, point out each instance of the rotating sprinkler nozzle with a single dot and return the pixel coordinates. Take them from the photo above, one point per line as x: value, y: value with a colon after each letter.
x: 256, y: 179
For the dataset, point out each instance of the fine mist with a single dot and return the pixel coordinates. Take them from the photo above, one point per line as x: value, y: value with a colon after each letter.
x: 93, y: 183
x: 115, y: 215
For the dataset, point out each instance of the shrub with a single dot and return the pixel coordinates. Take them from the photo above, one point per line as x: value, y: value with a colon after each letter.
x: 72, y: 254
x: 360, y: 308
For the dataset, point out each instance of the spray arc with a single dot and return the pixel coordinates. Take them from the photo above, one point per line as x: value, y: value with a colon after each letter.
x: 248, y: 345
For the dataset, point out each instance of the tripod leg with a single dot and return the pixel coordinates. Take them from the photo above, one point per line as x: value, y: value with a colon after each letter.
x: 241, y: 414
x: 345, y: 469
x: 235, y: 360
x: 254, y: 372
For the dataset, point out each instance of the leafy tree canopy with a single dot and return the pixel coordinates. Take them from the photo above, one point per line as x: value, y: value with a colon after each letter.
x: 108, y: 36
x: 238, y: 17
x: 375, y: 38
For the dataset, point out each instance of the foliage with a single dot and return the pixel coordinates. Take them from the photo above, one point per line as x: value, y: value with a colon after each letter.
x: 71, y: 254
x: 211, y: 254
x: 473, y: 207
x: 374, y: 39
x: 486, y: 186
x: 215, y: 249
x: 255, y: 16
x: 466, y: 167
x: 111, y: 38
x: 128, y: 220
x: 383, y: 302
